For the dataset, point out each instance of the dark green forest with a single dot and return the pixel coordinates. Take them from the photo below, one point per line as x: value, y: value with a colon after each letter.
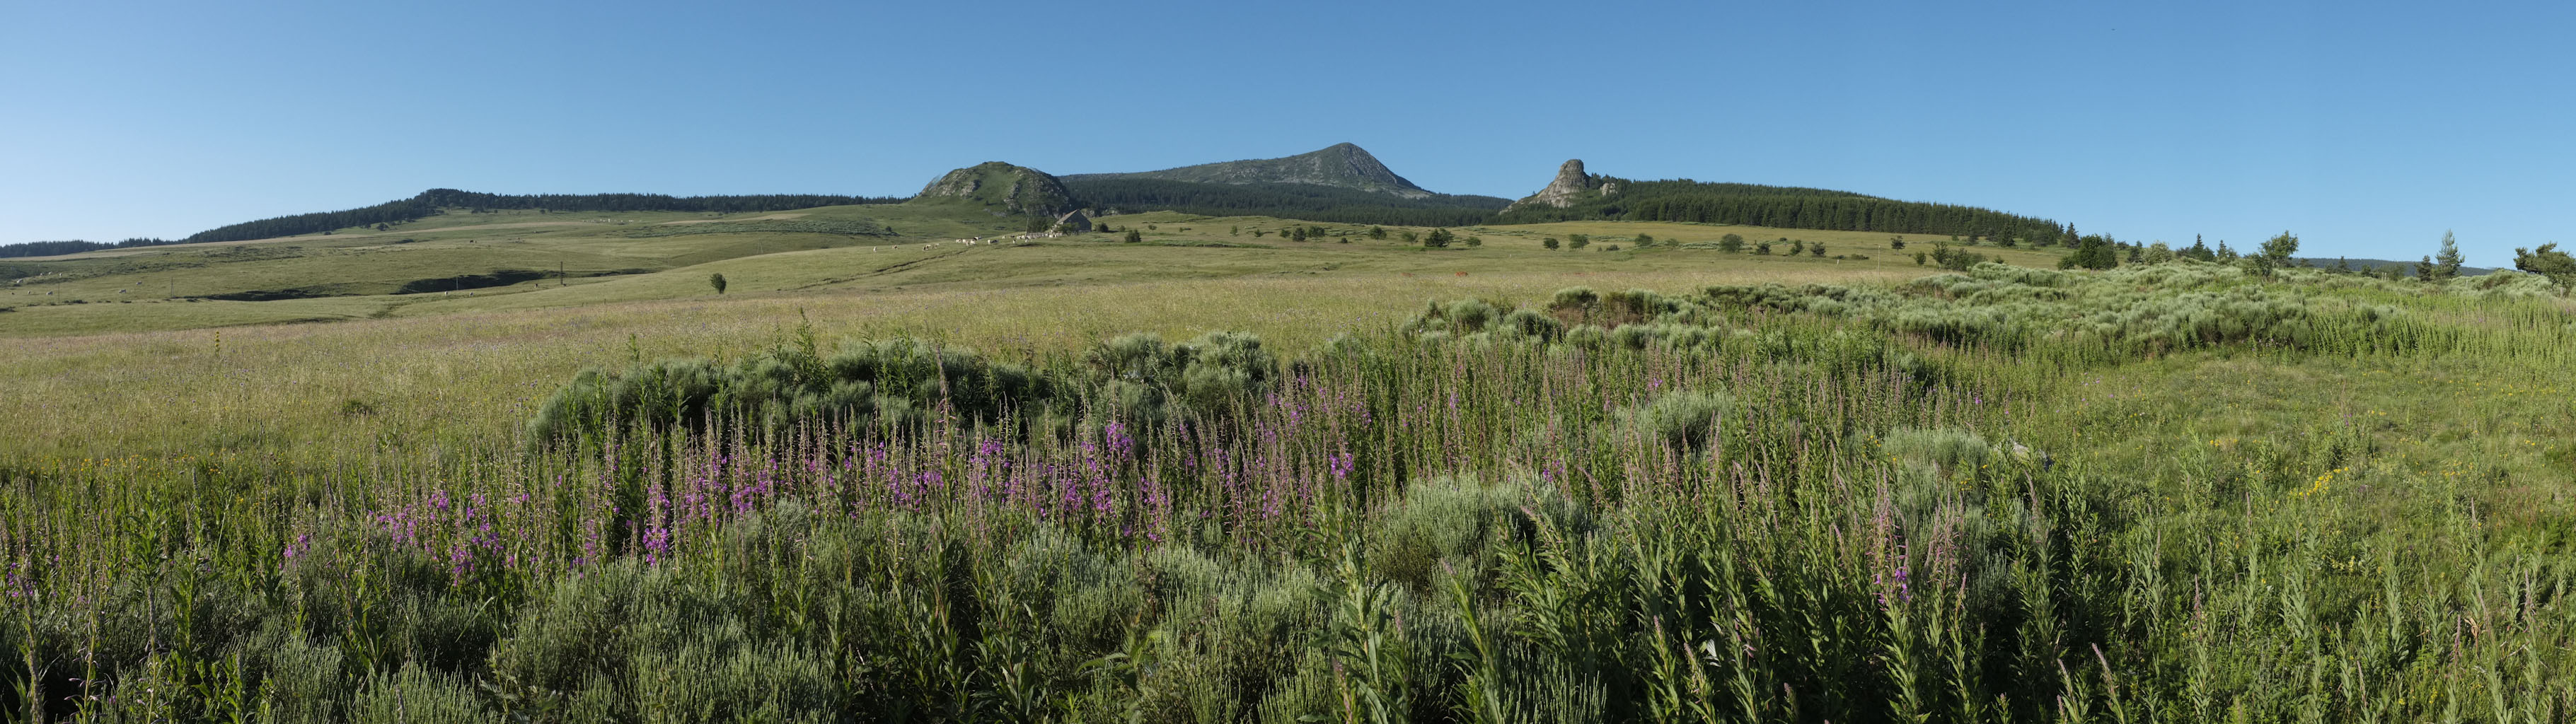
x: 1293, y: 201
x: 435, y: 201
x: 1789, y: 208
x: 74, y: 246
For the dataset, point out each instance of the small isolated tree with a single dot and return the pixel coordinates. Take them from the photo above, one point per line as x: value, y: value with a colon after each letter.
x: 1234, y: 231
x: 1134, y: 236
x: 717, y: 281
x: 1797, y: 247
x: 2425, y: 269
x: 1762, y: 247
x: 1896, y: 243
x: 1816, y: 249
x: 1549, y: 242
x: 1475, y: 241
x: 1578, y: 241
x: 2447, y: 263
x: 1438, y: 238
x: 1645, y: 240
x: 1410, y: 237
x: 2276, y: 252
x: 1920, y: 258
x: 1730, y: 243
x: 1377, y: 232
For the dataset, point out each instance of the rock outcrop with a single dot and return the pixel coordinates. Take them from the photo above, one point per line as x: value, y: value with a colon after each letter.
x: 1571, y: 183
x: 1003, y: 188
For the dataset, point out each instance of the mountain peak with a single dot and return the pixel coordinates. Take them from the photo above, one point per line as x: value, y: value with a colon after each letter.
x: 1341, y: 165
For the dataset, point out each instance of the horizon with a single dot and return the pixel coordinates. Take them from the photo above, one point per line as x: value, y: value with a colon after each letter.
x: 2366, y: 131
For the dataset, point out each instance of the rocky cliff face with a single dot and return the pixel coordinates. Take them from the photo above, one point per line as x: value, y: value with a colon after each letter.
x: 1571, y: 183
x: 1003, y: 188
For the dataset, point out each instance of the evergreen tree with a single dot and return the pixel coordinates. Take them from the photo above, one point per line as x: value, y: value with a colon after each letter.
x: 1730, y: 243
x: 2446, y: 264
x: 1549, y: 242
x: 1578, y: 241
x: 717, y: 281
x: 1134, y: 236
x: 2547, y: 261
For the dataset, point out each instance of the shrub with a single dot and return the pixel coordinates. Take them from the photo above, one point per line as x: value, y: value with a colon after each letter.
x: 1681, y: 418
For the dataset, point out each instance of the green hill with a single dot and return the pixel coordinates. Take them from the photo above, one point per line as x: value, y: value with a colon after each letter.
x: 1001, y: 189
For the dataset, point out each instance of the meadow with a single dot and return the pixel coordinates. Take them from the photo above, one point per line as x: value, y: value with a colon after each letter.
x: 1211, y: 476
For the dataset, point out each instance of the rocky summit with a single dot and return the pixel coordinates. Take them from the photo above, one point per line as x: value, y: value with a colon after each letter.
x: 1571, y: 183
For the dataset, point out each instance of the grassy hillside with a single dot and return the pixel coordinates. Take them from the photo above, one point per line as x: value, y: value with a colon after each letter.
x: 461, y: 262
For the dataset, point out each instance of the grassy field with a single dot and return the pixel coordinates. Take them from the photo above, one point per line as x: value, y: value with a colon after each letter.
x: 585, y: 260
x: 1485, y: 484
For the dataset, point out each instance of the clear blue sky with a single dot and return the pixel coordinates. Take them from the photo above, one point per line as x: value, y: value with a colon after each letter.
x: 2368, y: 129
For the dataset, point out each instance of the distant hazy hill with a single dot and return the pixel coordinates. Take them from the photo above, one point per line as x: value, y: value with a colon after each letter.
x: 1342, y: 165
x: 1342, y: 183
x: 430, y: 202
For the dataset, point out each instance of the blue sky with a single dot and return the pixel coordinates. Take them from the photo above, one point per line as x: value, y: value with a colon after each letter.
x: 2366, y: 128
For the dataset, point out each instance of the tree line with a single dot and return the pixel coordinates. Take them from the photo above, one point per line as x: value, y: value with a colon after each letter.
x: 436, y: 201
x: 73, y: 246
x: 1792, y: 208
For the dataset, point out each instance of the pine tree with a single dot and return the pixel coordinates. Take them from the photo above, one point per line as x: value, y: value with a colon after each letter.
x: 2447, y: 263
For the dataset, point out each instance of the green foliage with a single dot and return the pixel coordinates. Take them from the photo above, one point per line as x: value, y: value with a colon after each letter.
x: 2549, y: 262
x: 1549, y: 243
x: 2161, y: 492
x: 1783, y: 207
x: 1731, y: 243
x: 1134, y: 236
x: 2446, y: 264
x: 1681, y: 418
x: 1577, y: 241
x: 896, y: 384
x: 716, y: 281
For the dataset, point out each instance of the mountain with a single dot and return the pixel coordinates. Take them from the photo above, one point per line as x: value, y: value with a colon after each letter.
x: 1342, y: 165
x: 1001, y: 188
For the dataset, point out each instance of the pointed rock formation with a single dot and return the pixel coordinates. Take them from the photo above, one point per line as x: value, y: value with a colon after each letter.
x: 1571, y: 183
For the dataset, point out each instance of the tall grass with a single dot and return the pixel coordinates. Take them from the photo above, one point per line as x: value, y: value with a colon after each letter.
x: 1729, y: 505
